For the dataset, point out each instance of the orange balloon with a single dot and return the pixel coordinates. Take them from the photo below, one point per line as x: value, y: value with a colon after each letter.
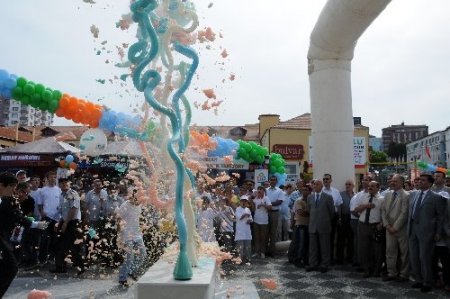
x: 59, y: 112
x: 73, y: 165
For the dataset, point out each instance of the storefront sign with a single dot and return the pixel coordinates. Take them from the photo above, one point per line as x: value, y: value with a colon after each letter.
x: 221, y: 163
x: 359, y: 151
x: 17, y: 160
x: 261, y: 176
x: 289, y: 151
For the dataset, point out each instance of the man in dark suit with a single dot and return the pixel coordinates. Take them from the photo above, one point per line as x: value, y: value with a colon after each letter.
x: 321, y: 213
x: 425, y: 227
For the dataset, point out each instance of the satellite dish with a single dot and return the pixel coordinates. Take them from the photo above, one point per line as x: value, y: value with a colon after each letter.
x: 93, y: 142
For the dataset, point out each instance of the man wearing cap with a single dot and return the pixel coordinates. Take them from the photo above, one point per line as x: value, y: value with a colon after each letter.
x: 21, y: 176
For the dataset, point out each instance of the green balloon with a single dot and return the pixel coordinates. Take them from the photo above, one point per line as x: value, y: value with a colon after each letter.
x: 28, y: 89
x: 47, y: 95
x: 35, y: 99
x: 57, y: 95
x: 277, y: 163
x: 17, y: 92
x: 42, y: 105
x: 281, y: 169
x: 21, y: 82
x: 39, y: 88
x: 272, y: 169
x: 26, y: 100
x: 53, y: 105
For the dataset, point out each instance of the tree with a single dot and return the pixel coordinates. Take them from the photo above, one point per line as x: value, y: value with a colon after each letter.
x: 397, y: 150
x: 378, y: 157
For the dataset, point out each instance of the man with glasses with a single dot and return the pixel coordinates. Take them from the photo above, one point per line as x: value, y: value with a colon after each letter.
x: 337, y: 200
x: 344, y: 251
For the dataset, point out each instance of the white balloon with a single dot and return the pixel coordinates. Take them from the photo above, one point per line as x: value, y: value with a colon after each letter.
x: 93, y: 142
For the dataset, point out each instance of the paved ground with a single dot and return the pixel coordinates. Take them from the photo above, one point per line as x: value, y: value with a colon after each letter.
x: 242, y: 282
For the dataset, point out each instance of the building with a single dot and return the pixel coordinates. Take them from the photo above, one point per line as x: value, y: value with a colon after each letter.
x: 15, y: 113
x: 432, y: 149
x: 291, y: 139
x: 375, y: 143
x: 403, y: 134
x: 14, y: 135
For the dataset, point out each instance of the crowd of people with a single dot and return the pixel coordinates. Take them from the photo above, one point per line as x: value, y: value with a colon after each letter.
x: 54, y: 223
x: 401, y: 233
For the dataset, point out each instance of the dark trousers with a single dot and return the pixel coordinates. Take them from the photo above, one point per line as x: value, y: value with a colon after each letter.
x: 71, y: 244
x: 421, y: 250
x: 442, y: 253
x: 8, y: 266
x: 354, y: 227
x: 344, y: 248
x: 369, y: 249
x: 319, y: 250
x: 299, y: 247
x: 226, y: 241
x: 48, y: 246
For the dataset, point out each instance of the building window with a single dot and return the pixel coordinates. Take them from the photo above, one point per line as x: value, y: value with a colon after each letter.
x: 15, y: 108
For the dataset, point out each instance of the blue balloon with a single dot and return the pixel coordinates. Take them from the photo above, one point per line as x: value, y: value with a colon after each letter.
x: 69, y: 159
x: 3, y: 75
x: 281, y: 177
x: 10, y: 82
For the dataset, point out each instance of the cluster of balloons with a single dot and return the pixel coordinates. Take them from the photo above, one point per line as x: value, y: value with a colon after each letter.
x: 432, y: 168
x: 68, y: 162
x: 7, y: 83
x: 225, y: 147
x: 276, y: 163
x: 64, y: 105
x: 252, y: 152
x: 36, y: 95
x: 79, y: 110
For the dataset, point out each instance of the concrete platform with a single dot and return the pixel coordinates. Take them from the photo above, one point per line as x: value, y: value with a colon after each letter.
x: 158, y: 282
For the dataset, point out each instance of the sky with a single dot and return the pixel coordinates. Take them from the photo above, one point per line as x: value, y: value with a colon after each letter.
x: 400, y: 72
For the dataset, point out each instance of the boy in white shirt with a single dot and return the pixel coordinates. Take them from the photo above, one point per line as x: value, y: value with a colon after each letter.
x: 243, y: 235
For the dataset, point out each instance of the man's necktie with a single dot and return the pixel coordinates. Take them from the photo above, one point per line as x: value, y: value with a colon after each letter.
x: 417, y: 206
x: 317, y: 198
x: 368, y: 211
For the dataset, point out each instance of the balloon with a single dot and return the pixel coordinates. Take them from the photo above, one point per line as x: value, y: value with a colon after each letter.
x: 73, y: 165
x: 47, y: 95
x: 28, y: 89
x: 21, y: 82
x: 272, y: 169
x: 10, y: 83
x: 39, y: 88
x: 69, y: 159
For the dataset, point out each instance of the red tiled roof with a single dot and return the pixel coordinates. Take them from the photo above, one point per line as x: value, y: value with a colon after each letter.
x: 10, y: 134
x: 299, y: 122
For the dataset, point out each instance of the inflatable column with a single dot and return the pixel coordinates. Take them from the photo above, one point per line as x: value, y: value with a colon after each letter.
x: 333, y: 41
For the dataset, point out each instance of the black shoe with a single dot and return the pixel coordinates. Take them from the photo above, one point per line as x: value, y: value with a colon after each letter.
x: 417, y: 285
x: 124, y: 283
x: 425, y: 289
x: 323, y: 269
x: 309, y: 269
x: 388, y: 278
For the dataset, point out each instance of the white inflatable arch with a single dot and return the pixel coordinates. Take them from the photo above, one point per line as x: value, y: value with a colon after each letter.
x: 331, y: 49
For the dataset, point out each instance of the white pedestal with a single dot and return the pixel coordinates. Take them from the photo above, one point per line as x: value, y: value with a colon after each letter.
x: 158, y: 282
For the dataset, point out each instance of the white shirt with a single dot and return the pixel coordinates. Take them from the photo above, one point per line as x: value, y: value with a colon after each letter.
x: 375, y: 213
x: 261, y: 214
x: 129, y: 224
x: 275, y: 194
x: 285, y: 211
x: 49, y: 199
x: 337, y: 198
x: 243, y: 231
x: 354, y: 201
